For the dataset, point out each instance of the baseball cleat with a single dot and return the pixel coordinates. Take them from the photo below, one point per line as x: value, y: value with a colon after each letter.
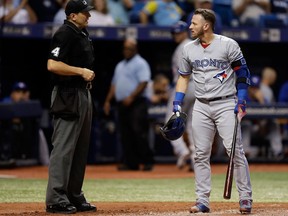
x: 245, y: 206
x: 199, y: 207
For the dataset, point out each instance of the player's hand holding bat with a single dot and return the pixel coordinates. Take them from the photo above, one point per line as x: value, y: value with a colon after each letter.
x: 240, y: 108
x: 240, y: 112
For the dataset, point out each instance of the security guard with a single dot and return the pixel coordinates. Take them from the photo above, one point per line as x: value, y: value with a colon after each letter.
x: 70, y: 60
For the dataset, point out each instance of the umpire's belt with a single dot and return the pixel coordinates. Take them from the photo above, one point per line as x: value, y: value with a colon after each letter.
x: 78, y: 85
x: 217, y: 98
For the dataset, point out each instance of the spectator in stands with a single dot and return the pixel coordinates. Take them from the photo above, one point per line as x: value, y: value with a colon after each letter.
x: 100, y: 15
x: 224, y: 9
x: 60, y: 14
x: 205, y: 4
x: 254, y: 96
x: 158, y: 89
x: 46, y: 9
x: 161, y: 13
x: 183, y: 146
x: 268, y: 79
x: 278, y: 18
x: 129, y: 88
x: 283, y: 98
x: 21, y: 129
x: 249, y: 11
x: 20, y: 13
x: 267, y: 128
x: 19, y: 92
x: 119, y: 9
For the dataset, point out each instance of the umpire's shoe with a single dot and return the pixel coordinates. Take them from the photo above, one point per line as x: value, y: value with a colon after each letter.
x: 245, y: 206
x: 61, y: 208
x: 199, y: 207
x: 86, y: 207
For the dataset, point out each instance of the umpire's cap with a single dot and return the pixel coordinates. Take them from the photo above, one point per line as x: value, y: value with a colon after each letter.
x: 180, y: 26
x: 77, y: 6
x: 175, y: 126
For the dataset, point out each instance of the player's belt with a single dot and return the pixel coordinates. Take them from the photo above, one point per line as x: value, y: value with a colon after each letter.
x: 220, y: 98
x: 215, y: 99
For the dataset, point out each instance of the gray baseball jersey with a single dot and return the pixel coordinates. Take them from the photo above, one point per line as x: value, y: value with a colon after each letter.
x: 211, y: 66
x: 214, y: 78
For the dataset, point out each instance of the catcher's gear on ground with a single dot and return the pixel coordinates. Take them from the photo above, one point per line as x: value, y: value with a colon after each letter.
x: 175, y: 126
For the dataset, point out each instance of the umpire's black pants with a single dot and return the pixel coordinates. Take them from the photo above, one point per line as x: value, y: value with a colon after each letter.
x: 68, y: 158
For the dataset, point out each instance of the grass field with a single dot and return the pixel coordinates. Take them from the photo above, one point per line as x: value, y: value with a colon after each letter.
x: 267, y: 187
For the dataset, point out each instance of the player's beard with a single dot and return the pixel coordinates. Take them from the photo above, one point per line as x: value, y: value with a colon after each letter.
x: 200, y: 34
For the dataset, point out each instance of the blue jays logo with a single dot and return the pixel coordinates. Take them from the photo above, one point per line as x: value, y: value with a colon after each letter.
x: 221, y: 76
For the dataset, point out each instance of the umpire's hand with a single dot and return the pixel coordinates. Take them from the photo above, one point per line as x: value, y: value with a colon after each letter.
x: 88, y: 75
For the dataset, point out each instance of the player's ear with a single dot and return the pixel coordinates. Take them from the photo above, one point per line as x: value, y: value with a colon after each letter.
x: 206, y: 25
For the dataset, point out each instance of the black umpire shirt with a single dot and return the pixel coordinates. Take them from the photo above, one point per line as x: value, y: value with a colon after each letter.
x: 72, y: 46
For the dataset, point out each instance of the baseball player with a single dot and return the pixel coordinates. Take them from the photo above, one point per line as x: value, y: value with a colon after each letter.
x: 221, y: 79
x: 183, y: 149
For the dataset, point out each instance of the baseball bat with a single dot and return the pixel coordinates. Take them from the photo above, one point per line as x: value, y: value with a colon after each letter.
x: 230, y: 168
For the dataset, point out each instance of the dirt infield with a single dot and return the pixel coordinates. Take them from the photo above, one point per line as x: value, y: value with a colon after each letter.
x: 147, y: 208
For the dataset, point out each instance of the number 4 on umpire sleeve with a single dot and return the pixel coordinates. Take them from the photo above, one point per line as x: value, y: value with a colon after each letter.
x: 56, y: 51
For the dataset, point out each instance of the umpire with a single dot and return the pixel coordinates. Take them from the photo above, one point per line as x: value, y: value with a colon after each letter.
x: 70, y: 60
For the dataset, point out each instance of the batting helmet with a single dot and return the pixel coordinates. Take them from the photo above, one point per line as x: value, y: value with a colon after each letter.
x: 175, y: 126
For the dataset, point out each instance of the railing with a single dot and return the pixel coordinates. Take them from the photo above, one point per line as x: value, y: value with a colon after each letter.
x: 154, y: 33
x: 277, y: 110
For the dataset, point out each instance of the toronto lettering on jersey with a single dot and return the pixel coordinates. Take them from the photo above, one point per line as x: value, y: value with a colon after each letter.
x: 210, y: 63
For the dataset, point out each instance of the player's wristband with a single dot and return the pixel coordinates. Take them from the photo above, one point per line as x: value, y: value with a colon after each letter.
x: 179, y: 96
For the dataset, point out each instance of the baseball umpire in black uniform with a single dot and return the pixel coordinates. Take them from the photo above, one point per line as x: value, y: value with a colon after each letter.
x: 70, y: 60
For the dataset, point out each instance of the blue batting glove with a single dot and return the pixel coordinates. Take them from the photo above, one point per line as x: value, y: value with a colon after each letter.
x: 240, y: 107
x: 177, y: 106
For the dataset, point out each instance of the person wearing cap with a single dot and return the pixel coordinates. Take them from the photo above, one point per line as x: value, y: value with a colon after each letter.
x: 254, y: 96
x: 70, y: 61
x: 182, y: 147
x: 267, y: 128
x: 22, y: 129
x: 19, y: 92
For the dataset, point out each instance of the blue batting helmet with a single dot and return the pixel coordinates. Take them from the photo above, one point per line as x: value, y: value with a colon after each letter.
x: 175, y: 126
x: 180, y: 26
